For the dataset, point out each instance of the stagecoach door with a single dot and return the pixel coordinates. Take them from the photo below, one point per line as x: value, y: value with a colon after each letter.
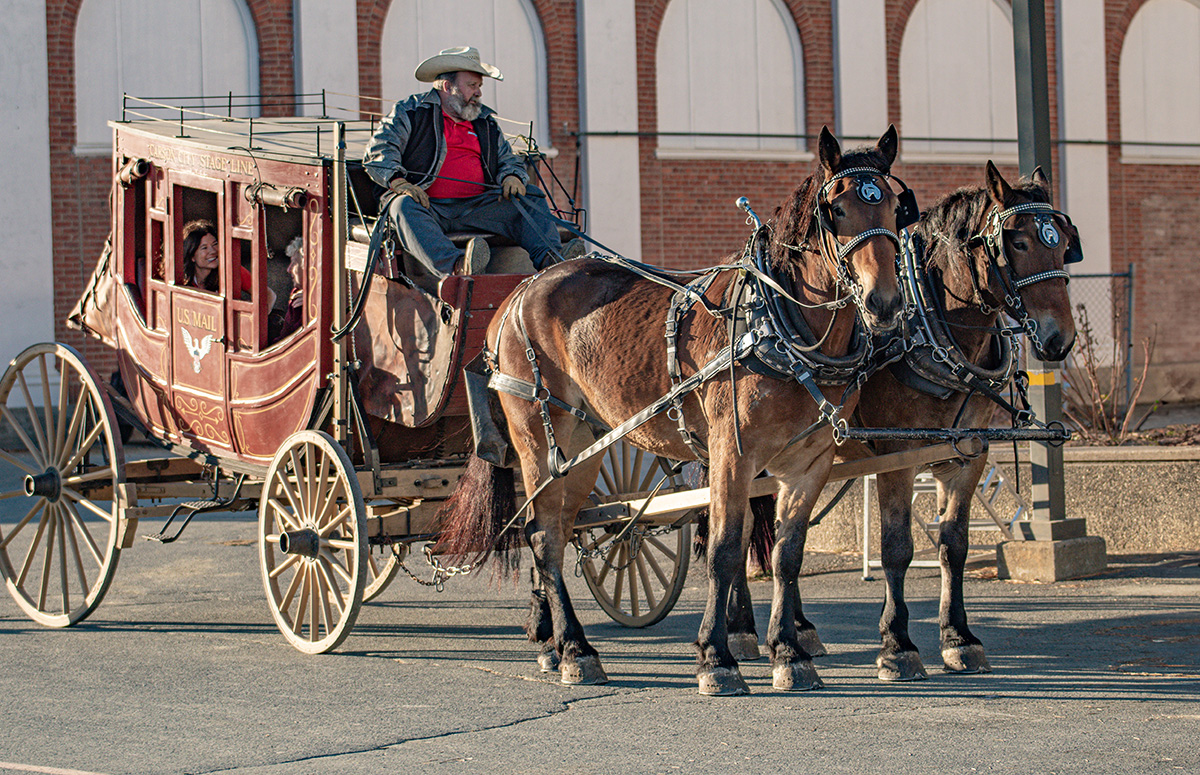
x: 199, y: 319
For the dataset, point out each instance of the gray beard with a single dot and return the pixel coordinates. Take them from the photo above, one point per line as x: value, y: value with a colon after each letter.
x: 461, y: 109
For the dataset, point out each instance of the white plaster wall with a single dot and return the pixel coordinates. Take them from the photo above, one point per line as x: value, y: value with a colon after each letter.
x: 327, y: 54
x: 860, y: 40
x: 608, y: 94
x: 1084, y: 116
x: 27, y: 299
x: 507, y: 34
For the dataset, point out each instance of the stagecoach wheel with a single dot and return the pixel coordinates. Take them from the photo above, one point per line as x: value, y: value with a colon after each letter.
x: 59, y: 556
x: 638, y: 581
x: 312, y: 541
x: 381, y: 569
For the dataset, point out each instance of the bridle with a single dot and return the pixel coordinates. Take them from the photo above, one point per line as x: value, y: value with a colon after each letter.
x: 868, y: 191
x: 999, y: 264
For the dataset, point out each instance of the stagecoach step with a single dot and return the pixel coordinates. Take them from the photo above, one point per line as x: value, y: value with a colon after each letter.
x: 196, y: 507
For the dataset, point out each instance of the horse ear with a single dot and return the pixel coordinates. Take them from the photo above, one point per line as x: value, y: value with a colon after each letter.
x: 889, y: 144
x: 830, y: 152
x: 1039, y: 177
x: 997, y: 186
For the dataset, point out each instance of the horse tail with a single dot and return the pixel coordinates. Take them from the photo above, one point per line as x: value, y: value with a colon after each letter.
x: 472, y: 522
x: 762, y: 537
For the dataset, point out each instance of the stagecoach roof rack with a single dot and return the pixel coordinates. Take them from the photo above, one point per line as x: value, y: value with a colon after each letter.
x: 212, y: 121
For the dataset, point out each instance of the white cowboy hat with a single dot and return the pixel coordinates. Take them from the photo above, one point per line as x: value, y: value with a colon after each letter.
x: 451, y: 60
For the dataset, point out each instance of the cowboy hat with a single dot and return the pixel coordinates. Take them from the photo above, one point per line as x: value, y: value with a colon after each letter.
x: 450, y: 60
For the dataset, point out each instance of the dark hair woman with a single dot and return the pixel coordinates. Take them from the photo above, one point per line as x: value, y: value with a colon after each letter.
x: 201, y: 255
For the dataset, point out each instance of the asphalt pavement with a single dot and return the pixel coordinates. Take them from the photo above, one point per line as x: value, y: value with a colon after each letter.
x: 181, y: 670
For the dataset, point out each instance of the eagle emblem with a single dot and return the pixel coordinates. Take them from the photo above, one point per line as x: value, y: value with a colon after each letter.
x: 196, y: 349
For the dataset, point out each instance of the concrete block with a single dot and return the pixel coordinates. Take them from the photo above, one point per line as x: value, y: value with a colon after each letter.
x: 1071, y: 558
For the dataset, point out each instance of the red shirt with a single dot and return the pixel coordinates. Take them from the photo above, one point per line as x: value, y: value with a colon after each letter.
x: 463, y: 162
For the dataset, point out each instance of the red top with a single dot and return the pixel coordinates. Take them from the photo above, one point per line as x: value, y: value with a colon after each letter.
x: 463, y: 162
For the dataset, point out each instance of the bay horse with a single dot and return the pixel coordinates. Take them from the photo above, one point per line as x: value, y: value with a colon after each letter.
x: 984, y: 250
x: 990, y: 250
x: 586, y: 339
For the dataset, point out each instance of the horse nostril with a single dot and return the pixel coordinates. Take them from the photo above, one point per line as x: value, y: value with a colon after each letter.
x: 884, y: 307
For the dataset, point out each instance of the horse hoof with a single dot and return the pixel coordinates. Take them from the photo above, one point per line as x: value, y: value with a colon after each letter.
x: 796, y: 677
x: 743, y: 646
x: 585, y: 671
x: 965, y: 659
x: 548, y: 661
x: 722, y: 682
x: 811, y: 642
x: 902, y: 666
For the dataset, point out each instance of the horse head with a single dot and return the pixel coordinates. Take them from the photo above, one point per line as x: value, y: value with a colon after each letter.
x: 857, y: 215
x: 1027, y: 242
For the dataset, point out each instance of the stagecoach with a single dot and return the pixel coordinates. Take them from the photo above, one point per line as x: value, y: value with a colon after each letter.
x: 346, y: 434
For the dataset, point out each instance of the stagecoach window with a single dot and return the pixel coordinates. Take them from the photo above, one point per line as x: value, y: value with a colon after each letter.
x: 730, y: 75
x: 1160, y: 84
x: 958, y: 83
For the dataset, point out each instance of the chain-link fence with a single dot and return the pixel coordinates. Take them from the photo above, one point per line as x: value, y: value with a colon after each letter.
x: 1103, y: 307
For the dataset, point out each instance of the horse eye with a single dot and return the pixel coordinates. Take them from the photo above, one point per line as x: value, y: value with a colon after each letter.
x: 838, y: 211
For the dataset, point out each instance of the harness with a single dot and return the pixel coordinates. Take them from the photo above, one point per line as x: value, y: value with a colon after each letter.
x: 765, y: 330
x: 933, y: 362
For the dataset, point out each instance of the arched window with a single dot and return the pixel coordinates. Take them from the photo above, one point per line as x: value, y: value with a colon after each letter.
x: 507, y: 34
x: 958, y: 82
x: 729, y: 72
x: 184, y: 48
x: 1160, y: 82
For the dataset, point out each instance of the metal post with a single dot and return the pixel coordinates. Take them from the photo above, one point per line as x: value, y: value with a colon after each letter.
x: 1047, y: 553
x: 341, y: 394
x: 1033, y: 136
x: 1129, y: 337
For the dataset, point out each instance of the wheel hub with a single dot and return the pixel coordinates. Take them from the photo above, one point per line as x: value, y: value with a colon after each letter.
x: 305, y: 543
x: 47, y: 485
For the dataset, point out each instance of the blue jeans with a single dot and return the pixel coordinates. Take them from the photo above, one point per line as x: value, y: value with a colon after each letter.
x: 423, y: 230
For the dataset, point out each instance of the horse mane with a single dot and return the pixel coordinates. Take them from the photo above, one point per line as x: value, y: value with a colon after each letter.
x: 795, y: 223
x: 947, y: 228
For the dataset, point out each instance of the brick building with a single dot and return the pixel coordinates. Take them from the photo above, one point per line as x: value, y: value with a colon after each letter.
x: 668, y: 109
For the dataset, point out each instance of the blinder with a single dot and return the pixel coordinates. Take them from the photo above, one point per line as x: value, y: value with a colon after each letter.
x: 907, y: 211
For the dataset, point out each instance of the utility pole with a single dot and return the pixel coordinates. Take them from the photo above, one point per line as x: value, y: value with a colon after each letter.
x: 1054, y: 547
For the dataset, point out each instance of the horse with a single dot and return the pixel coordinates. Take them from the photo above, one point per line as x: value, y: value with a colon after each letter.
x: 582, y: 344
x: 986, y: 250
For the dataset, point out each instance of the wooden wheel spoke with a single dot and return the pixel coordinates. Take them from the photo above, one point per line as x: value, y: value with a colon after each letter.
x: 671, y: 554
x: 630, y: 575
x: 323, y: 493
x: 81, y: 526
x: 299, y: 585
x: 314, y: 605
x: 14, y: 494
x: 60, y: 439
x: 40, y: 503
x: 105, y: 514
x: 309, y: 484
x: 333, y: 592
x: 64, y: 587
x: 290, y: 561
x: 47, y: 410
x: 90, y: 476
x: 285, y: 516
x: 301, y: 508
x: 18, y: 463
x: 647, y: 591
x: 331, y: 559
x: 38, y: 458
x: 619, y: 575
x: 48, y: 558
x: 33, y: 419
x: 84, y: 447
x: 79, y: 569
x: 33, y: 545
x: 77, y: 422
x: 339, y: 519
x: 654, y: 566
x: 608, y: 479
